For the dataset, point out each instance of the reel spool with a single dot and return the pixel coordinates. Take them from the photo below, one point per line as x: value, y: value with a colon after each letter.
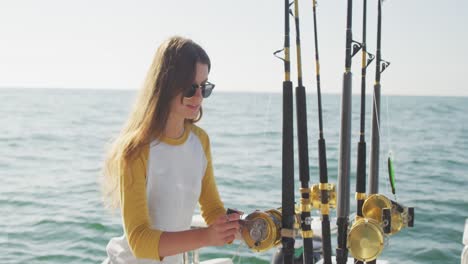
x: 262, y: 230
x: 366, y: 239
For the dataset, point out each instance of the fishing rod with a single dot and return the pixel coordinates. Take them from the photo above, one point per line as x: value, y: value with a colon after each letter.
x: 361, y: 155
x: 322, y: 155
x: 361, y: 161
x: 303, y: 146
x: 288, y: 210
x: 375, y: 132
x: 381, y: 65
x: 345, y: 143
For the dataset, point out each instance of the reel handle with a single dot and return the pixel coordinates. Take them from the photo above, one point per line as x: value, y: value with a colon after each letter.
x: 410, y: 216
x: 387, y: 220
x: 233, y: 211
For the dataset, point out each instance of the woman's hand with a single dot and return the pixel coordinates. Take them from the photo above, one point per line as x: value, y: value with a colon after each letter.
x: 223, y: 230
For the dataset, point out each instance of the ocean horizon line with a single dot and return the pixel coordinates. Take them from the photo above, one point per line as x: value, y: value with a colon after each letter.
x: 218, y: 91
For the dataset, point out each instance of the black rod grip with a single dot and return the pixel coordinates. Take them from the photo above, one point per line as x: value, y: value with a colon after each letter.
x: 288, y: 156
x: 322, y: 161
x: 287, y: 251
x: 326, y: 240
x: 308, y: 254
x: 308, y: 241
x: 287, y: 199
x: 361, y: 168
x: 303, y: 145
x: 342, y: 250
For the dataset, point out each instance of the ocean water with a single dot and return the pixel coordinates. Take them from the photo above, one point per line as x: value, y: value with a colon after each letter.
x: 52, y: 144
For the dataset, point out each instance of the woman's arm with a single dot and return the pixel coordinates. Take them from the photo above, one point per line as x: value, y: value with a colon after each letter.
x: 142, y: 239
x: 212, y: 208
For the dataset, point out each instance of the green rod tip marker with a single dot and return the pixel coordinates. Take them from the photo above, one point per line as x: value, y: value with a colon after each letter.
x: 391, y: 173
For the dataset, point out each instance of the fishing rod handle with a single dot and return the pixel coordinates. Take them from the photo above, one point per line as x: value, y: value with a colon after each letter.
x: 305, y: 221
x: 288, y: 212
x: 326, y: 240
x: 303, y: 145
x: 342, y: 250
x: 361, y: 168
x: 323, y: 170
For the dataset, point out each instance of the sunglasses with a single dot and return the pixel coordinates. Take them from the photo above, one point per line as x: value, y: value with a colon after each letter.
x: 206, y: 89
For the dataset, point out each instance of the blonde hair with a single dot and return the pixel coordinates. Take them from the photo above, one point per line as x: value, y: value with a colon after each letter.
x: 172, y: 70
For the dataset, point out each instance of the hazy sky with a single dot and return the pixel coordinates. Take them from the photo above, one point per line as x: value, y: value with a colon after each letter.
x: 110, y: 44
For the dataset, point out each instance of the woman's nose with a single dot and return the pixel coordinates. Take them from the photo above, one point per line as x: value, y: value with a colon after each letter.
x: 198, y: 93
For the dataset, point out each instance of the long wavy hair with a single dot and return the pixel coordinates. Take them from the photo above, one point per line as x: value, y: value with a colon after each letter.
x: 172, y: 70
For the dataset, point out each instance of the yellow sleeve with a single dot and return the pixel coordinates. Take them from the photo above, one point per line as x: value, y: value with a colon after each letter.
x: 143, y: 241
x: 210, y: 203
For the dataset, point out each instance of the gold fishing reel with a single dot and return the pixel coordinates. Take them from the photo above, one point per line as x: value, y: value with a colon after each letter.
x: 381, y: 217
x: 366, y: 239
x: 262, y: 230
x: 401, y: 216
x: 316, y: 195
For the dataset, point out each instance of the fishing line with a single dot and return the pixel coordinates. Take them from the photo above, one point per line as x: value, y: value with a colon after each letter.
x: 381, y: 158
x: 267, y: 117
x: 390, y: 155
x: 237, y: 254
x: 388, y: 126
x: 266, y: 125
x: 378, y: 130
x: 377, y: 116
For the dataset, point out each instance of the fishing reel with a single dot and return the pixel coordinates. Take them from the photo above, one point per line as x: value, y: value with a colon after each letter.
x: 316, y: 195
x: 262, y: 230
x: 381, y: 217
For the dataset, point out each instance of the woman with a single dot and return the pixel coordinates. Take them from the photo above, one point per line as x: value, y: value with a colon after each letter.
x: 160, y: 165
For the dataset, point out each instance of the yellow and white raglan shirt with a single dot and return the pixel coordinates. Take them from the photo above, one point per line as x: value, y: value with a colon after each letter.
x: 160, y: 192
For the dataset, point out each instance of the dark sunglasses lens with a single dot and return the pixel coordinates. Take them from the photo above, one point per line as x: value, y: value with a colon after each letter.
x: 207, y: 89
x: 206, y: 92
x: 190, y: 91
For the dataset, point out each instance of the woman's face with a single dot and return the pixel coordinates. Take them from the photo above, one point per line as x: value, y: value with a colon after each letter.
x: 189, y: 107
